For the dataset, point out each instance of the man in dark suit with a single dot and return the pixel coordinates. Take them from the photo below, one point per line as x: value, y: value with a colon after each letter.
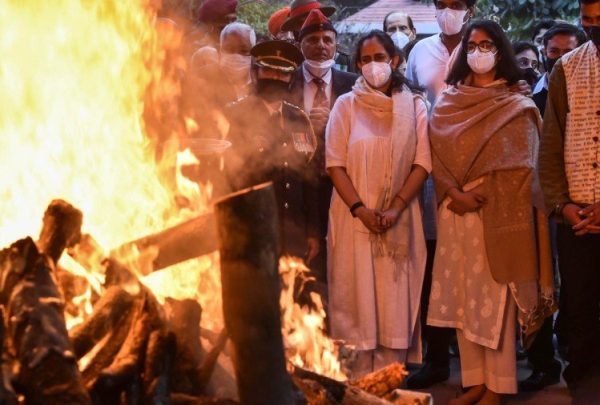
x: 272, y: 140
x: 316, y: 87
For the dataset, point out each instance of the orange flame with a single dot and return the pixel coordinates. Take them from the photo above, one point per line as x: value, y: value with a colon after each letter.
x: 78, y: 78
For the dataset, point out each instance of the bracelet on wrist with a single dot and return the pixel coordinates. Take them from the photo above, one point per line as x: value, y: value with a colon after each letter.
x: 356, y: 206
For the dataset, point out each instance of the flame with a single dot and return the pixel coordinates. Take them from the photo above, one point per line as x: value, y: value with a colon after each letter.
x: 307, y: 344
x: 89, y: 87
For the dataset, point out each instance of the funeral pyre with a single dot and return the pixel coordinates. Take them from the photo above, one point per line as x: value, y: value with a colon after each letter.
x: 118, y: 298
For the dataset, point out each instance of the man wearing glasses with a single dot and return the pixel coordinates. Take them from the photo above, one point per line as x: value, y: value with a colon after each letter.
x: 427, y: 68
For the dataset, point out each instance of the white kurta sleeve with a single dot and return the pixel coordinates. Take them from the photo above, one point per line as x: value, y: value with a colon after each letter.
x: 337, y: 133
x: 423, y: 152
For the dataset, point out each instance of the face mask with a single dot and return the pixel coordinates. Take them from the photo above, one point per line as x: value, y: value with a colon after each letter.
x: 377, y: 73
x: 272, y: 90
x: 481, y: 62
x: 236, y: 65
x: 317, y: 68
x: 593, y: 33
x: 531, y: 76
x: 549, y: 64
x: 450, y: 21
x: 400, y: 39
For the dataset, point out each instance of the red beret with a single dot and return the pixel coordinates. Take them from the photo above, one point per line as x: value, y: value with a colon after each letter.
x: 316, y: 21
x: 214, y: 10
x: 277, y: 19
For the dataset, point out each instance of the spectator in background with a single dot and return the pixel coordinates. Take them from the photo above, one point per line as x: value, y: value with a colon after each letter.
x: 528, y: 59
x: 559, y: 40
x: 378, y: 158
x: 276, y: 21
x: 427, y: 68
x: 316, y: 86
x: 207, y: 55
x: 537, y: 37
x: 299, y: 11
x: 399, y: 26
x: 493, y: 258
x: 213, y: 16
x: 570, y: 175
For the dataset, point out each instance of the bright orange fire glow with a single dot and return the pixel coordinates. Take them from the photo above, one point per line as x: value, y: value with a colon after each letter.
x: 75, y: 78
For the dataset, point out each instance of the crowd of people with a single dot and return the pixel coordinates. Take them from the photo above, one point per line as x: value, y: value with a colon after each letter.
x: 442, y: 188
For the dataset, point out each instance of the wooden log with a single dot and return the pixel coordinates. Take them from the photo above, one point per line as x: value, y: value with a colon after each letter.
x: 188, y: 240
x: 343, y: 393
x: 314, y: 393
x: 36, y: 332
x: 110, y: 347
x: 207, y: 367
x: 404, y: 397
x: 157, y: 376
x: 382, y: 382
x: 183, y: 319
x: 61, y: 228
x: 247, y: 227
x: 7, y: 393
x: 113, y: 306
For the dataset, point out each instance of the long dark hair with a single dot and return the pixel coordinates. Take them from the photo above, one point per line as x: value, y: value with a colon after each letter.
x: 398, y: 80
x: 506, y: 68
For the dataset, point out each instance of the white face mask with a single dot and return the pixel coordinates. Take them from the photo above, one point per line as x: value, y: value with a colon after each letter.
x: 400, y: 39
x: 236, y: 65
x: 450, y: 21
x: 481, y: 62
x: 319, y: 68
x: 377, y: 73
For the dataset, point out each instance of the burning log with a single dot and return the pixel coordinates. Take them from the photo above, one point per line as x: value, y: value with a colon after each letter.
x: 7, y: 394
x: 109, y: 311
x: 188, y: 240
x: 343, y: 393
x: 247, y: 224
x: 37, y: 335
x: 61, y: 229
x: 382, y: 382
x: 183, y: 399
x: 160, y: 356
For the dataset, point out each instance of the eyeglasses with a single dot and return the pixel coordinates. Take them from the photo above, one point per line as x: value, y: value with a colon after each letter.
x: 483, y: 46
x: 525, y: 63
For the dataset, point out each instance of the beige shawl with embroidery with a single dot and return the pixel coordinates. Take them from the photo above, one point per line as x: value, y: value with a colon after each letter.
x: 492, y: 132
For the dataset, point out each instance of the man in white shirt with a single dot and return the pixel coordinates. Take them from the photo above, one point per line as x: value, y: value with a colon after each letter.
x: 427, y: 68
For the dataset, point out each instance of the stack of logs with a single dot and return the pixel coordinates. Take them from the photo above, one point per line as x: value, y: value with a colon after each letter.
x: 132, y: 349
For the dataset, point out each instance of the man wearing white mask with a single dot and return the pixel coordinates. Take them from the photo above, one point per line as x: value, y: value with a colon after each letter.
x: 427, y: 68
x: 400, y: 27
x: 316, y: 87
x: 213, y: 86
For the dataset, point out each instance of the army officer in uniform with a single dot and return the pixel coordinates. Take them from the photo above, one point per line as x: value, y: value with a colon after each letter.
x: 273, y: 140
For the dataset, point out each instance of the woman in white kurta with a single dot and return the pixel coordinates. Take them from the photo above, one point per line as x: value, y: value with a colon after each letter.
x: 378, y: 158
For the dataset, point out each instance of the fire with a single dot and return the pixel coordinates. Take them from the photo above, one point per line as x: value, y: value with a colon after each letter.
x: 306, y: 342
x: 79, y: 78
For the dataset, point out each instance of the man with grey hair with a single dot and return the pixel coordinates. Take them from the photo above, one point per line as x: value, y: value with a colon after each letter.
x: 211, y: 87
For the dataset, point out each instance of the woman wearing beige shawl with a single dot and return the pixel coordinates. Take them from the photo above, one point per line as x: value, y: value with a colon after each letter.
x: 378, y: 158
x: 493, y: 264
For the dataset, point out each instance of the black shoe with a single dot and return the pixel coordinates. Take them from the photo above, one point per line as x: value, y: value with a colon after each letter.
x: 427, y: 376
x: 538, y: 380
